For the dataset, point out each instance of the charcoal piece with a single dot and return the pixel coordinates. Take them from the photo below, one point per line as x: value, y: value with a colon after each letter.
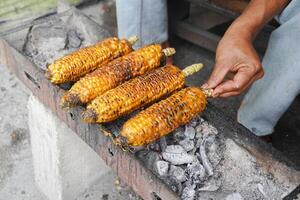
x: 187, y: 144
x: 178, y: 134
x: 189, y: 132
x: 161, y: 167
x: 196, y: 172
x: 148, y: 157
x: 194, y: 122
x: 176, y: 155
x: 188, y: 193
x: 163, y: 143
x: 205, y: 161
x: 154, y: 146
x: 178, y: 173
x: 175, y: 185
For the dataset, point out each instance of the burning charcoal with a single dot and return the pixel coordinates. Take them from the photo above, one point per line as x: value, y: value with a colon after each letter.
x: 187, y: 144
x: 205, y: 161
x: 188, y: 192
x: 211, y: 185
x: 178, y: 134
x: 177, y: 173
x: 176, y: 155
x: 161, y: 167
x: 189, y: 132
x: 234, y: 196
x: 196, y: 172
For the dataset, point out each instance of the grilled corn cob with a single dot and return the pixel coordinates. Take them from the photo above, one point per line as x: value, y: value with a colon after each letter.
x: 85, y: 60
x: 114, y: 73
x: 136, y: 93
x: 163, y: 117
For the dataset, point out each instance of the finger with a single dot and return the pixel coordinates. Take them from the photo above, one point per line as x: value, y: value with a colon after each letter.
x: 237, y: 92
x: 240, y: 82
x: 216, y: 77
x: 229, y: 94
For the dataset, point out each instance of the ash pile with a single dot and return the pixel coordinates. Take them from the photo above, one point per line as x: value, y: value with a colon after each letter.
x: 60, y: 35
x: 198, y: 162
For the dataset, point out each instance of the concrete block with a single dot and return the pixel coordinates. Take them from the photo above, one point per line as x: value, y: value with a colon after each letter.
x: 64, y: 166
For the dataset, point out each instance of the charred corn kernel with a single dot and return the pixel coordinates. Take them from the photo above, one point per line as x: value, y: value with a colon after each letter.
x: 114, y: 73
x: 135, y: 93
x: 163, y: 117
x: 73, y: 66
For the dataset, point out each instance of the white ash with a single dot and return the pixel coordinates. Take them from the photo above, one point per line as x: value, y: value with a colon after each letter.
x: 161, y: 167
x: 234, y: 196
x: 178, y: 173
x: 211, y: 185
x: 235, y: 172
x: 176, y: 155
x: 59, y: 36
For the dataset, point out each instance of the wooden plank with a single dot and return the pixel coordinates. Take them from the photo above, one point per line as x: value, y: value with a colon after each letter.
x: 126, y: 166
x: 196, y: 35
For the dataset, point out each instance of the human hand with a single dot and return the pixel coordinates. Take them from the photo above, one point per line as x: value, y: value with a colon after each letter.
x: 236, y: 55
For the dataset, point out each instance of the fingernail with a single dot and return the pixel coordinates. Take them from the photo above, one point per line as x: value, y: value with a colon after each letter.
x: 204, y: 86
x: 216, y: 95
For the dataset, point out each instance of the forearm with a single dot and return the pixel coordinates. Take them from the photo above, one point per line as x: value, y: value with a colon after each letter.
x: 255, y: 16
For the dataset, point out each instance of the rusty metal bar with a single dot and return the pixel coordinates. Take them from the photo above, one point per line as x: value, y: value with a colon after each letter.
x: 126, y: 166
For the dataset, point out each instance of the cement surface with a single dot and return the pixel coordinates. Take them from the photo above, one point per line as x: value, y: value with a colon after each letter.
x: 16, y: 169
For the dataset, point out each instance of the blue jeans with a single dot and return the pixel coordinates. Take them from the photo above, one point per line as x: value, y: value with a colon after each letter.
x: 269, y: 97
x: 148, y: 19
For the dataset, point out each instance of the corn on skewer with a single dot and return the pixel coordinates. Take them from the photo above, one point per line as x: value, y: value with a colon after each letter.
x: 137, y: 92
x: 163, y: 117
x: 115, y: 73
x: 71, y: 67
